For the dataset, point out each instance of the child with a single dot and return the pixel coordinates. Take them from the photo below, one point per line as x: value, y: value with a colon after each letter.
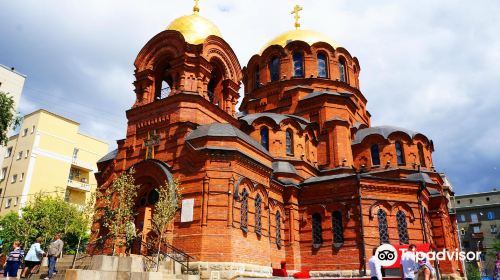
x: 13, y: 260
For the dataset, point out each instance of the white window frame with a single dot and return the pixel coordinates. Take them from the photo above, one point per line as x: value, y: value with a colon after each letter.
x: 22, y: 177
x: 16, y: 201
x: 476, y: 229
x: 32, y: 129
x: 474, y: 218
x: 27, y: 153
x: 3, y: 173
x: 8, y: 202
x: 14, y: 179
x: 493, y: 229
x: 20, y: 155
x: 8, y: 153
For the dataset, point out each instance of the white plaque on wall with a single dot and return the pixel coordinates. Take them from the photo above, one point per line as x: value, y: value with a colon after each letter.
x: 187, y: 210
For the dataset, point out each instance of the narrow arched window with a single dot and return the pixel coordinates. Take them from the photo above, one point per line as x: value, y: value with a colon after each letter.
x: 258, y: 215
x: 264, y: 137
x: 317, y: 229
x: 399, y: 153
x: 402, y: 227
x: 165, y: 90
x: 421, y: 156
x: 278, y: 228
x: 375, y: 154
x: 289, y: 142
x: 274, y: 68
x: 164, y: 87
x: 256, y: 77
x: 322, y: 66
x: 298, y: 65
x: 307, y: 147
x: 382, y: 226
x: 244, y: 211
x: 342, y: 70
x: 337, y: 228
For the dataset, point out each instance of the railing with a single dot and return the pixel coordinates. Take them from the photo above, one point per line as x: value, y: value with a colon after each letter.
x: 79, y: 185
x: 150, y: 254
x: 477, y: 235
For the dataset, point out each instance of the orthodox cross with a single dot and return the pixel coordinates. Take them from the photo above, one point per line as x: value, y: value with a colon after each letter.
x: 150, y: 143
x: 296, y: 11
x: 196, y: 8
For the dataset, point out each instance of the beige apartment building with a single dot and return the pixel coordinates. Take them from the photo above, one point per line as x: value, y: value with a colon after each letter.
x: 48, y: 155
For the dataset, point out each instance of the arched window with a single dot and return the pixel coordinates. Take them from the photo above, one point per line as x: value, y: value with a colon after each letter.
x: 258, y: 215
x: 382, y: 226
x: 289, y: 142
x: 264, y: 137
x: 322, y: 66
x: 375, y: 154
x: 399, y: 153
x: 342, y: 70
x: 307, y: 147
x: 337, y: 228
x: 274, y: 68
x: 256, y: 77
x: 278, y: 228
x: 215, y: 87
x: 421, y: 156
x: 244, y: 211
x: 317, y: 230
x: 402, y: 228
x: 164, y: 88
x: 298, y: 65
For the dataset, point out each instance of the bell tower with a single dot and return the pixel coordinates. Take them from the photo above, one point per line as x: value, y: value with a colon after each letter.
x: 189, y: 57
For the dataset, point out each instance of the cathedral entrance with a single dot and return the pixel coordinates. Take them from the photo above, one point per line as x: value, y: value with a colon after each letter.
x: 149, y: 175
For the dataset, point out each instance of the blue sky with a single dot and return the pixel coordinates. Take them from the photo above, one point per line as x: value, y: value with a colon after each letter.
x: 431, y: 66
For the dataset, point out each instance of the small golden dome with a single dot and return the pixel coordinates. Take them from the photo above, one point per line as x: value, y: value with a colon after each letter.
x: 308, y: 36
x: 194, y: 28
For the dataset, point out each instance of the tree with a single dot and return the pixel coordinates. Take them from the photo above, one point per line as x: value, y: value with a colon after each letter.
x: 473, y: 272
x: 44, y: 216
x: 165, y: 209
x: 8, y: 117
x: 118, y: 206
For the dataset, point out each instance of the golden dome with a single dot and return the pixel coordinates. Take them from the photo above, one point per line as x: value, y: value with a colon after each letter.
x: 308, y: 36
x: 194, y: 28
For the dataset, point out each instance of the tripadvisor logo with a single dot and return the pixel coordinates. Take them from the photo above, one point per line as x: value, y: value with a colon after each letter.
x: 387, y: 254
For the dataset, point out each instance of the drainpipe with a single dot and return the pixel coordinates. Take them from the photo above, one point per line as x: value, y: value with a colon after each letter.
x: 363, y: 254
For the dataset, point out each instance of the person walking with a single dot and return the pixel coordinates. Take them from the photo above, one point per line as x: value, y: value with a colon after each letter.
x: 408, y: 263
x: 33, y: 257
x: 375, y: 266
x: 13, y: 260
x: 425, y: 270
x: 53, y: 252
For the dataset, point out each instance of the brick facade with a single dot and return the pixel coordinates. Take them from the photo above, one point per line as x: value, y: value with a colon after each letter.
x: 217, y: 155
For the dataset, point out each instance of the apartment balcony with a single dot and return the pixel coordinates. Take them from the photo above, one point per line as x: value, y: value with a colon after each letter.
x: 478, y: 235
x: 77, y: 185
x: 81, y: 164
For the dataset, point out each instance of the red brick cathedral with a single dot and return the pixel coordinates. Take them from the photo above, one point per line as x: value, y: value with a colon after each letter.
x: 297, y: 174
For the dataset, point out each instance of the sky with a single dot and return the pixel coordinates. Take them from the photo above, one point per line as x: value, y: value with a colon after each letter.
x: 430, y: 66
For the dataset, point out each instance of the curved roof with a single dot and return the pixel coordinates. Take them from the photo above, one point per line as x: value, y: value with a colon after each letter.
x: 308, y: 36
x: 277, y: 118
x: 224, y: 130
x: 383, y: 131
x: 194, y: 28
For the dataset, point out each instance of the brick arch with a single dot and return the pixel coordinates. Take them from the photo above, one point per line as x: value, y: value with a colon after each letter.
x: 240, y: 184
x: 401, y: 206
x: 295, y: 46
x: 384, y: 205
x: 216, y: 47
x: 166, y: 42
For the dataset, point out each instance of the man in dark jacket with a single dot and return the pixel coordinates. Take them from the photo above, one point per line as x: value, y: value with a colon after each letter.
x: 53, y: 252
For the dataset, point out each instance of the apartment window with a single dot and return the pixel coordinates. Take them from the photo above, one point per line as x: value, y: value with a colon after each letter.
x: 476, y: 229
x: 9, y: 152
x: 16, y: 201
x: 20, y: 155
x: 3, y: 173
x: 32, y: 129
x: 461, y: 218
x: 462, y: 231
x: 22, y: 177
x: 14, y: 178
x: 27, y: 153
x: 493, y: 229
x: 470, y: 200
x: 490, y: 215
x: 75, y: 153
x: 458, y: 201
x: 8, y: 202
x: 487, y: 199
x: 473, y: 218
x: 25, y: 132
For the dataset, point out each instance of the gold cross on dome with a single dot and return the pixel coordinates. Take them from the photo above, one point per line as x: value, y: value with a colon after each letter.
x: 296, y: 11
x: 196, y: 8
x: 150, y: 143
